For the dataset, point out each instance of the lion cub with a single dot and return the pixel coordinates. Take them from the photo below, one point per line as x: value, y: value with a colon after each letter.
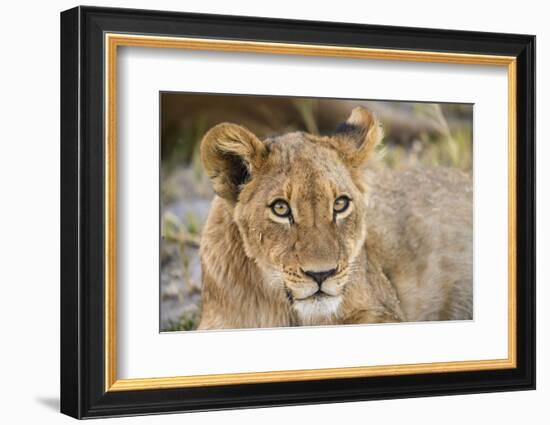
x: 301, y: 232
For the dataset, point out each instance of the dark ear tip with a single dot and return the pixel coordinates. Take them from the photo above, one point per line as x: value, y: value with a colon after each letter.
x: 346, y: 127
x: 359, y: 121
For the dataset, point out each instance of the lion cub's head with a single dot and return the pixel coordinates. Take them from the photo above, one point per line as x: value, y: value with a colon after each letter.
x: 299, y: 203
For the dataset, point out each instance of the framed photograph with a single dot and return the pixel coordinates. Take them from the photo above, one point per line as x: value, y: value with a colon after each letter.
x: 261, y: 212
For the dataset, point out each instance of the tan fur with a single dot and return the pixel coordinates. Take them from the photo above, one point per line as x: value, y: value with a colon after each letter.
x: 402, y: 251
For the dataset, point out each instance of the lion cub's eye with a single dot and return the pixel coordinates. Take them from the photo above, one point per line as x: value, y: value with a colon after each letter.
x: 281, y: 208
x: 341, y: 204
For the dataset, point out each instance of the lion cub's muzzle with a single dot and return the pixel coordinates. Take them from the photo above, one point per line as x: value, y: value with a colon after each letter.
x: 317, y: 284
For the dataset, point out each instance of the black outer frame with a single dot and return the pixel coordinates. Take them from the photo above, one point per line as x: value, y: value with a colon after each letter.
x: 82, y: 212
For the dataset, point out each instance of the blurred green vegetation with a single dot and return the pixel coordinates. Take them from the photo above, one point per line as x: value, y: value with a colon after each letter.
x: 186, y: 322
x: 442, y: 147
x: 427, y: 134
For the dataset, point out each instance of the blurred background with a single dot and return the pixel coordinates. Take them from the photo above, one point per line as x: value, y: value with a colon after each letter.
x: 416, y: 135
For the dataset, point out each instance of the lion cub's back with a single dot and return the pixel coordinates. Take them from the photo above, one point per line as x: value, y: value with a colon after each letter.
x: 421, y: 228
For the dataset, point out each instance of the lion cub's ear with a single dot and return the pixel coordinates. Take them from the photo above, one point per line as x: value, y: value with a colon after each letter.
x: 358, y: 136
x: 230, y: 154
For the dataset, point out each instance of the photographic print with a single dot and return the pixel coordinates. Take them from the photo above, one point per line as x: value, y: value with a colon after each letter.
x: 287, y: 211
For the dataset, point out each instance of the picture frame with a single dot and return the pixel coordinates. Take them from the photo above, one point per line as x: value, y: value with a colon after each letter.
x: 90, y: 40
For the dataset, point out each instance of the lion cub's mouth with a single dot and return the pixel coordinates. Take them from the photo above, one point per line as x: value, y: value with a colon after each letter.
x: 317, y: 296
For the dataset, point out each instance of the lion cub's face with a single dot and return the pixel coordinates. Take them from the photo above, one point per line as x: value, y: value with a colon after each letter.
x: 299, y: 203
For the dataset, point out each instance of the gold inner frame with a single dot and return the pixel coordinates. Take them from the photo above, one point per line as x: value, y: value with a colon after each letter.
x: 113, y: 41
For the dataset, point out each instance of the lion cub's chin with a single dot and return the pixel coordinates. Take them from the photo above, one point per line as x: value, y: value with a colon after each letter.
x: 317, y: 310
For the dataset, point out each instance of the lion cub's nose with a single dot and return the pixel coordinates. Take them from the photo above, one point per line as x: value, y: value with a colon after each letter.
x: 320, y: 277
